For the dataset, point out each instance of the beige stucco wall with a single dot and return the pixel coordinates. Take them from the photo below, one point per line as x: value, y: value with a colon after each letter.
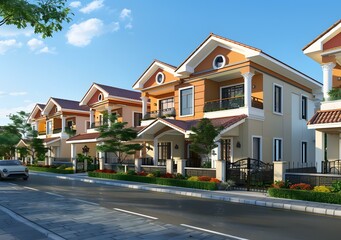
x: 333, y: 146
x: 128, y: 114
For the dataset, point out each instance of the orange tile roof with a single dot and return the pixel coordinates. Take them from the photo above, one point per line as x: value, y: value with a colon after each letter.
x: 85, y: 136
x: 327, y: 116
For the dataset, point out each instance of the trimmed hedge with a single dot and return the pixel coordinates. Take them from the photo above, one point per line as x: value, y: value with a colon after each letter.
x: 155, y: 180
x: 305, y: 195
x: 53, y: 170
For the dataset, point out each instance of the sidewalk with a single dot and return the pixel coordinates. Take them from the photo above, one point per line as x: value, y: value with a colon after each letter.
x: 243, y: 197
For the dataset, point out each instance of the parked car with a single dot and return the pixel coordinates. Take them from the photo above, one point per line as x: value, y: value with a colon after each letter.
x: 13, y: 169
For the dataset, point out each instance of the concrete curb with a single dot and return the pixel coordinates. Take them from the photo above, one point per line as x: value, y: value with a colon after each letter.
x: 33, y: 225
x: 331, y: 211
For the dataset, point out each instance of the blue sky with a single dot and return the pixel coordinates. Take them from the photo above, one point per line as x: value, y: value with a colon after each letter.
x: 113, y: 41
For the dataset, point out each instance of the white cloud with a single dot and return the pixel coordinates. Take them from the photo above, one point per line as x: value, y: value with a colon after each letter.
x: 114, y: 27
x: 80, y: 35
x: 75, y: 4
x: 17, y: 93
x: 11, y: 31
x: 35, y: 44
x: 94, y: 5
x: 5, y: 112
x: 6, y: 45
x: 128, y: 26
x: 125, y: 14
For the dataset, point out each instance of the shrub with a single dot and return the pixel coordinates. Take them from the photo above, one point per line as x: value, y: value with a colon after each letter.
x: 321, y: 189
x: 167, y: 175
x: 193, y: 179
x: 157, y: 173
x: 336, y: 186
x: 150, y: 175
x: 131, y: 172
x: 305, y: 195
x: 69, y: 168
x: 161, y: 181
x: 228, y: 185
x: 53, y: 170
x: 215, y: 180
x: 179, y: 176
x: 63, y: 166
x: 142, y: 173
x: 105, y: 171
x: 204, y: 178
x: 301, y: 186
x: 281, y: 184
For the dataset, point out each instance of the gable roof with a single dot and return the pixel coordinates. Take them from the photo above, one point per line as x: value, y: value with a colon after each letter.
x: 36, y: 108
x: 156, y: 64
x: 110, y: 91
x: 64, y: 104
x: 187, y: 67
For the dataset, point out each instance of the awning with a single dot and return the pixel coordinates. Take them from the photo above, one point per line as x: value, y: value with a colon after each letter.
x: 84, y: 138
x: 325, y: 119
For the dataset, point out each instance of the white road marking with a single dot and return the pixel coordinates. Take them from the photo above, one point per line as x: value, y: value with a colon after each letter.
x: 80, y: 200
x: 54, y: 194
x: 214, y: 232
x: 134, y: 213
x: 34, y: 189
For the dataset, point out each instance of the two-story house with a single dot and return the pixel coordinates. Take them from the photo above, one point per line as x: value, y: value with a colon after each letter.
x: 262, y: 103
x: 100, y: 99
x: 55, y: 122
x: 326, y: 50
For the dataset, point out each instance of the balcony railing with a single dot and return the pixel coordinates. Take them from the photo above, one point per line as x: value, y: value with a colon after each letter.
x: 231, y: 103
x: 57, y: 130
x: 168, y: 112
x: 42, y: 133
x: 98, y: 124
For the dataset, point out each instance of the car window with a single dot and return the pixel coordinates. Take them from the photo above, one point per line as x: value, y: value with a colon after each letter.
x: 9, y: 162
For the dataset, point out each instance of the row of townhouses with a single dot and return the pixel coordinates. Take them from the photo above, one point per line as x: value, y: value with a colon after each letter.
x: 268, y: 109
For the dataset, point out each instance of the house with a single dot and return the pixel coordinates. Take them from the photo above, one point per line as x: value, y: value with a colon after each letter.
x: 55, y: 122
x: 100, y: 99
x: 326, y: 50
x: 262, y: 103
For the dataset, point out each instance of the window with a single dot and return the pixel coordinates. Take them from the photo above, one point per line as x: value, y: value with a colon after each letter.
x: 165, y: 104
x: 100, y: 97
x: 219, y: 62
x: 277, y: 99
x: 304, y: 152
x: 49, y: 127
x: 186, y: 101
x: 256, y: 148
x: 304, y: 103
x: 159, y: 78
x: 232, y: 97
x: 277, y: 149
x: 137, y: 119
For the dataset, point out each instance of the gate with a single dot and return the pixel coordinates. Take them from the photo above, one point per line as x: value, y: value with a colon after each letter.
x: 250, y: 173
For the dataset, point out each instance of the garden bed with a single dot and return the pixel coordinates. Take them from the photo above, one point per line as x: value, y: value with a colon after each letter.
x: 156, y: 180
x: 50, y: 169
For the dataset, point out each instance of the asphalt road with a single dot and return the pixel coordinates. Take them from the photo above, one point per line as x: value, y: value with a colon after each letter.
x: 244, y: 221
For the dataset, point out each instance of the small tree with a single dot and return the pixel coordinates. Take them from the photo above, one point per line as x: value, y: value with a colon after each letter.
x: 202, y: 141
x: 45, y: 16
x: 116, y: 138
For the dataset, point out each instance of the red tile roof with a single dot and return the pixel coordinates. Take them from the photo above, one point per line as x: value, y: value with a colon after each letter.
x: 326, y: 116
x: 85, y: 136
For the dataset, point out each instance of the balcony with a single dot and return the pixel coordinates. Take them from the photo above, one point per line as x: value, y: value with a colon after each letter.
x: 162, y: 113
x: 231, y: 103
x: 98, y: 124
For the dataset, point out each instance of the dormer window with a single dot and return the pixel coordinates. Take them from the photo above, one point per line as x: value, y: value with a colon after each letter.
x: 219, y: 62
x: 100, y: 97
x: 160, y: 77
x: 56, y: 110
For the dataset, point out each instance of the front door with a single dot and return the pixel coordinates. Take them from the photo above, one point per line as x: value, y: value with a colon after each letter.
x: 164, y: 152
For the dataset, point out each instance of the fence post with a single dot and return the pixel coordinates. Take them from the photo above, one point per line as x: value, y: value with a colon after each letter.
x: 181, y: 164
x: 169, y: 166
x: 74, y: 164
x: 138, y: 163
x: 221, y: 170
x: 279, y: 170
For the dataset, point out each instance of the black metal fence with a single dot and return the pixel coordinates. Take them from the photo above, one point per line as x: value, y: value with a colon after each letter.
x: 298, y: 167
x: 250, y: 173
x: 314, y: 179
x: 331, y: 167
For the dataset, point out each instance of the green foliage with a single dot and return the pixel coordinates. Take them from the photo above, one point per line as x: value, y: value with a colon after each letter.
x: 281, y: 184
x: 227, y: 186
x: 48, y: 169
x: 116, y: 138
x: 202, y: 141
x: 336, y: 186
x: 45, y: 17
x: 305, y: 195
x: 81, y: 158
x: 322, y: 189
x: 335, y: 94
x: 155, y: 180
x: 193, y: 179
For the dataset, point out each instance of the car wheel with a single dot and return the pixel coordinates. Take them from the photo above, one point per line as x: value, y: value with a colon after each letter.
x: 25, y: 178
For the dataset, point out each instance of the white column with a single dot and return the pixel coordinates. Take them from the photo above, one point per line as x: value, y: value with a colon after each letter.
x: 63, y: 123
x: 327, y: 79
x: 221, y: 170
x: 247, y: 88
x: 109, y: 114
x: 156, y: 151
x: 73, y: 156
x: 91, y: 117
x: 144, y: 106
x: 319, y: 150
